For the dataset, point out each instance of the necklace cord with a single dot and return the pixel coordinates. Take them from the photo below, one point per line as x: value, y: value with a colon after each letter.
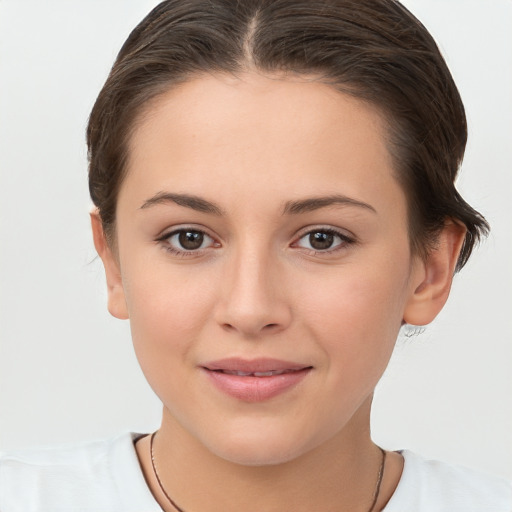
x: 179, y: 509
x: 379, y: 480
x: 376, y: 492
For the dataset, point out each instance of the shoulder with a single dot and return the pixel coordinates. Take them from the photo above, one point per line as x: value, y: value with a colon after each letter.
x: 100, y: 475
x: 430, y: 485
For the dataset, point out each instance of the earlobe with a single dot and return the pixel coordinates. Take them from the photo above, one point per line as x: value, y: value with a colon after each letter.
x: 431, y: 279
x: 116, y: 299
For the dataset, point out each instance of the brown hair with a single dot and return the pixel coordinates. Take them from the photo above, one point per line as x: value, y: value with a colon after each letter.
x: 375, y: 50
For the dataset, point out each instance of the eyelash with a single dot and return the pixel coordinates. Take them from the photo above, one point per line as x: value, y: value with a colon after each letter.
x: 164, y: 239
x: 345, y: 240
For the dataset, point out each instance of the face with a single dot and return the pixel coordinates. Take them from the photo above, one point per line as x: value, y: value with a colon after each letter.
x: 264, y: 261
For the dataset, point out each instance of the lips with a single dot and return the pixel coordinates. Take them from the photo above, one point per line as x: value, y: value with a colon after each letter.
x: 270, y: 373
x: 262, y: 365
x: 254, y: 380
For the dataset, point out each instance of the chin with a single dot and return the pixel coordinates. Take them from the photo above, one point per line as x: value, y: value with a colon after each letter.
x: 261, y: 455
x: 260, y: 449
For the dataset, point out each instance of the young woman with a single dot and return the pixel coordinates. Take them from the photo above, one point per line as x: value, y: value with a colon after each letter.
x: 274, y: 192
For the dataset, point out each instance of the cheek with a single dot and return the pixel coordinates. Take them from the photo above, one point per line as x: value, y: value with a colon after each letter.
x: 355, y: 323
x: 167, y: 315
x: 357, y: 314
x: 164, y: 299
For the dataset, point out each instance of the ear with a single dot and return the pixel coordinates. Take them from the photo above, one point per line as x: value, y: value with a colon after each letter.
x: 116, y: 299
x: 431, y: 279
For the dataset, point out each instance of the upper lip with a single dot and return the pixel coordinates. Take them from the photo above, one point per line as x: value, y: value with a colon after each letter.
x: 253, y: 365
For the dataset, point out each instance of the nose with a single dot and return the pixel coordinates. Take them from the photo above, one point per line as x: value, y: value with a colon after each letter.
x: 253, y: 299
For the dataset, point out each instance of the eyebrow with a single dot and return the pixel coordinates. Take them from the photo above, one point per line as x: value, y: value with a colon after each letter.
x: 189, y: 201
x: 315, y: 203
x: 295, y: 207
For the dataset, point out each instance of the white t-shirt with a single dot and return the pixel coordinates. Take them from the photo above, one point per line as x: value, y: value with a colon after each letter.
x: 105, y: 476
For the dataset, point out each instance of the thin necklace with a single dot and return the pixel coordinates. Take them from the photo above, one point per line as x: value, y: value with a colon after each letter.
x: 379, y: 480
x: 179, y: 509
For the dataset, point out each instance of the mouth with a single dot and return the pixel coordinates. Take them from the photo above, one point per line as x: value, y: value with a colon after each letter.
x: 255, y: 380
x: 269, y: 373
x: 261, y: 367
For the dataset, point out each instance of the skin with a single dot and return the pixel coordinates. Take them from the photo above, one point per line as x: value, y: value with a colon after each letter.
x: 257, y: 288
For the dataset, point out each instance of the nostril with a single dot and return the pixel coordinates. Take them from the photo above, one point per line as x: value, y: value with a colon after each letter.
x: 268, y: 327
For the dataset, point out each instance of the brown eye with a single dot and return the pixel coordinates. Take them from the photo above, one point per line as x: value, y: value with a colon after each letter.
x: 190, y: 240
x: 323, y: 240
x: 187, y: 240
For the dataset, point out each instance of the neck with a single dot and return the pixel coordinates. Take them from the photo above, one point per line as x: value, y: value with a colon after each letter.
x: 340, y: 474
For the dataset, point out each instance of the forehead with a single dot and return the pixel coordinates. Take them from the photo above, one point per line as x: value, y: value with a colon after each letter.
x: 274, y: 107
x: 288, y: 135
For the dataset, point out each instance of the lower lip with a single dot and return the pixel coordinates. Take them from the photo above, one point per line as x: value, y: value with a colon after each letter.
x: 255, y: 389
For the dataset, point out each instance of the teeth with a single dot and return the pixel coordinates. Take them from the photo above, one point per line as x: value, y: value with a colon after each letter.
x: 269, y: 374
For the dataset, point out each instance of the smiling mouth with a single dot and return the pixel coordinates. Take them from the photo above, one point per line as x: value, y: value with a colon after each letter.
x: 256, y: 380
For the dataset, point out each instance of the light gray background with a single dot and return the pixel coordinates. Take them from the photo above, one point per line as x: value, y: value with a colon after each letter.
x: 67, y: 370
